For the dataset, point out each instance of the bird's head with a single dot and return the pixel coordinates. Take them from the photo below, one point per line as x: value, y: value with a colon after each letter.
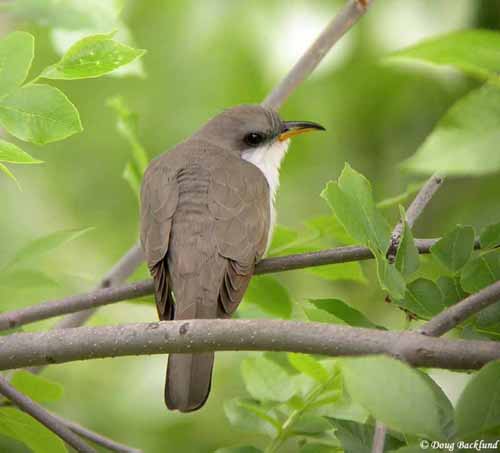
x: 245, y: 129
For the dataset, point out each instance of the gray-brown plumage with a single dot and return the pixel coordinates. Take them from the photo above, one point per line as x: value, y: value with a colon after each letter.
x: 206, y: 214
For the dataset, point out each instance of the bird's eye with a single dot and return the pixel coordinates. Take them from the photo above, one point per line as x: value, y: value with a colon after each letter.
x: 254, y: 139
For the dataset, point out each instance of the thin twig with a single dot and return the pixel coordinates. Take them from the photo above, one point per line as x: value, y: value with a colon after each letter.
x: 45, y: 418
x: 104, y: 296
x: 340, y: 24
x: 416, y: 208
x: 202, y: 335
x: 454, y: 315
x: 98, y: 439
x: 379, y: 437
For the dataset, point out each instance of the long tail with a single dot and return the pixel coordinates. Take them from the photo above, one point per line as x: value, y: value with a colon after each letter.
x: 189, y: 378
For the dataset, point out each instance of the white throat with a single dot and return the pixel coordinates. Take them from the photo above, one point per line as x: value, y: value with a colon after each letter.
x: 268, y: 159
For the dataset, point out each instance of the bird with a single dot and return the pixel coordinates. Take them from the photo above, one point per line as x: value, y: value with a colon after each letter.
x: 207, y: 216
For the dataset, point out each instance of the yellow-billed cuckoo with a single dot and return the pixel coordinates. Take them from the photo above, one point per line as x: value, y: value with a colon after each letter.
x: 207, y: 216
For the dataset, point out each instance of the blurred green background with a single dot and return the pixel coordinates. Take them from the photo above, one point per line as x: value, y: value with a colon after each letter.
x: 204, y: 56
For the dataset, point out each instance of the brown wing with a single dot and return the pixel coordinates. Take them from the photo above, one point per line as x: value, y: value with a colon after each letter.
x: 239, y: 201
x: 159, y: 197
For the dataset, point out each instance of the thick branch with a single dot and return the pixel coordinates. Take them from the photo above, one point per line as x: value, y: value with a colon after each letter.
x: 65, y: 345
x: 454, y: 315
x: 346, y: 18
x: 44, y: 417
x: 104, y: 296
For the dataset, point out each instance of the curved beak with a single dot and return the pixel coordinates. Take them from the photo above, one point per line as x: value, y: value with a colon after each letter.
x: 293, y: 128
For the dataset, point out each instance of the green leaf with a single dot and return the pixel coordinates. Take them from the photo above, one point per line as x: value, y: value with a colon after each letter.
x: 308, y: 365
x: 36, y: 387
x: 481, y: 271
x: 340, y: 271
x: 329, y: 226
x: 283, y: 238
x: 39, y: 114
x: 454, y: 249
x: 450, y: 289
x: 478, y: 408
x: 490, y: 236
x: 6, y: 171
x: 407, y: 256
x: 250, y: 415
x: 242, y: 449
x: 310, y: 424
x: 351, y: 200
x: 267, y: 381
x: 16, y: 55
x: 132, y: 176
x: 462, y: 141
x: 25, y: 278
x: 46, y: 244
x: 474, y: 52
x: 389, y: 277
x: 423, y: 298
x: 401, y: 198
x: 25, y: 429
x: 92, y: 56
x: 373, y: 382
x: 358, y: 438
x: 269, y: 295
x: 345, y: 312
x: 15, y: 155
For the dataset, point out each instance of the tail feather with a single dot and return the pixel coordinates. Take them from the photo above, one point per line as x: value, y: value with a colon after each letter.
x: 189, y: 378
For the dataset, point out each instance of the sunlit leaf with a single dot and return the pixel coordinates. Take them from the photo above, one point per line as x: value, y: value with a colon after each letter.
x: 308, y: 365
x: 463, y: 140
x: 6, y: 171
x: 92, y: 56
x: 15, y: 155
x: 36, y: 387
x: 16, y: 55
x: 373, y: 382
x: 24, y: 428
x: 46, y: 244
x: 474, y: 52
x: 478, y: 408
x: 39, y: 114
x: 269, y: 295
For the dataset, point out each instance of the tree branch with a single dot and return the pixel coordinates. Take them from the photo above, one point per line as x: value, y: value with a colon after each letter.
x: 454, y: 315
x: 104, y: 296
x: 340, y: 24
x: 45, y: 418
x: 200, y: 335
x: 414, y: 210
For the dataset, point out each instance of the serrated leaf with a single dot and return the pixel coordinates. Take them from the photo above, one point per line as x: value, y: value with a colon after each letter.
x: 23, y: 428
x: 13, y: 154
x: 39, y: 114
x: 481, y: 271
x: 46, y: 244
x: 478, y: 408
x: 462, y: 141
x: 454, y: 249
x: 249, y: 415
x: 352, y: 201
x: 309, y: 366
x: 474, y: 52
x: 423, y: 298
x: 343, y: 311
x: 407, y: 256
x: 36, y: 387
x: 373, y: 382
x: 490, y: 236
x: 269, y: 295
x: 267, y: 381
x: 92, y: 56
x: 16, y: 55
